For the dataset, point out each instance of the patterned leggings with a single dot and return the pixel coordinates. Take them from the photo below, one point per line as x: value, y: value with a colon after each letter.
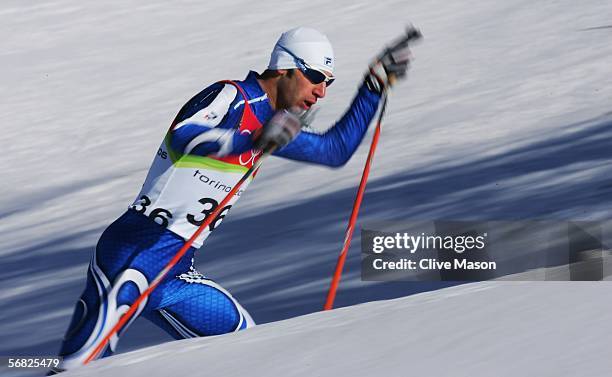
x: 129, y: 254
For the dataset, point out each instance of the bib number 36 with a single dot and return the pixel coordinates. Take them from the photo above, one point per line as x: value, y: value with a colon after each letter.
x: 162, y: 215
x: 210, y: 205
x: 159, y: 215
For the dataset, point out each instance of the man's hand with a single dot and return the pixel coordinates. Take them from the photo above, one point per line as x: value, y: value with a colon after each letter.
x: 282, y: 128
x: 392, y: 63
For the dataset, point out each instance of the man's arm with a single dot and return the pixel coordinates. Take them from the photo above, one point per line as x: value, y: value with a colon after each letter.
x: 336, y: 146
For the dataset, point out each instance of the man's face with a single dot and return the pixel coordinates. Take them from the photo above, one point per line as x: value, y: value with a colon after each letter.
x: 295, y: 90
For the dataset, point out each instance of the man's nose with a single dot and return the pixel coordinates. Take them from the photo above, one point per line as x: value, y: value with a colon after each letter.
x: 319, y: 90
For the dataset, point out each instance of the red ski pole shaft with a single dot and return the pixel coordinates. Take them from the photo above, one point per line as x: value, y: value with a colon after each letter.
x: 331, y: 294
x: 162, y: 274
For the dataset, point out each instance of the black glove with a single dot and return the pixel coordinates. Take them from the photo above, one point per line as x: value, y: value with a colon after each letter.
x: 392, y: 64
x: 282, y: 128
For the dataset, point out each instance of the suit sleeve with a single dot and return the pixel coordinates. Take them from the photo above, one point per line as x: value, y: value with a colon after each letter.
x: 208, y: 124
x: 336, y: 146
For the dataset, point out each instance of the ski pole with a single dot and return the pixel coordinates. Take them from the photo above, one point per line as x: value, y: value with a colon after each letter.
x: 410, y: 34
x: 331, y: 294
x: 162, y: 274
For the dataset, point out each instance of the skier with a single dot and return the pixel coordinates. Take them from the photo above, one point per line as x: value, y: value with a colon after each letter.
x: 214, y: 139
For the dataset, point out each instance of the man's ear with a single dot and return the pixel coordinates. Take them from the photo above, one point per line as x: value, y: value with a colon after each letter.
x: 273, y: 73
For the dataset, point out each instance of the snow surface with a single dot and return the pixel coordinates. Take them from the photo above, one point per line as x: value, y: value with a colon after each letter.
x: 506, y: 115
x: 487, y: 329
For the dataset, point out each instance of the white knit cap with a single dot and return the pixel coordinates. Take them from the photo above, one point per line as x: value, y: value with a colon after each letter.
x: 306, y: 43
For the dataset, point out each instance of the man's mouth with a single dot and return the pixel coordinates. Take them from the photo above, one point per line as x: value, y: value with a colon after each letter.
x: 308, y: 104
